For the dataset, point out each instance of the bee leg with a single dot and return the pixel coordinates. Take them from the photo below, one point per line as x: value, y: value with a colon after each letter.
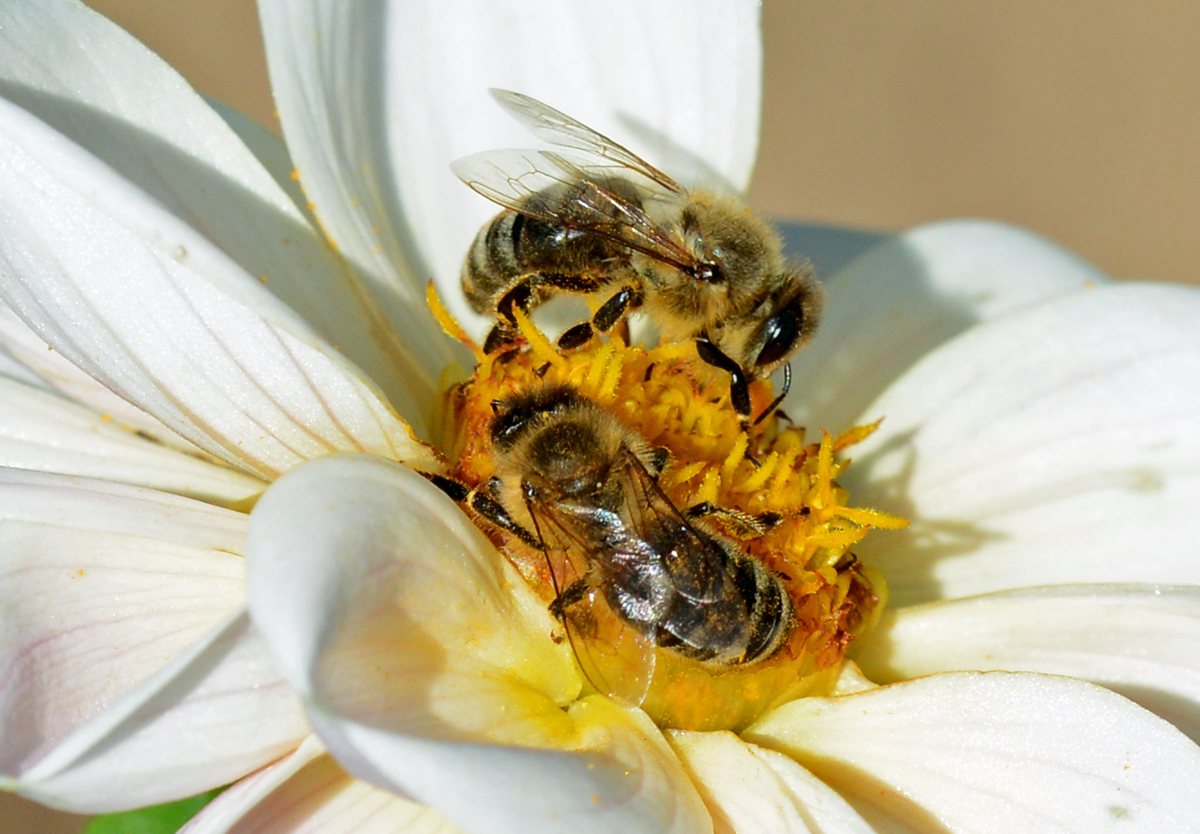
x: 847, y: 561
x: 498, y: 338
x: 505, y: 332
x: 614, y: 310
x: 494, y: 511
x: 486, y: 506
x: 577, y: 336
x: 739, y: 386
x: 787, y: 386
x: 749, y: 525
x: 610, y: 313
x: 458, y: 491
x: 570, y: 595
x: 660, y: 456
x: 739, y: 394
x: 518, y: 296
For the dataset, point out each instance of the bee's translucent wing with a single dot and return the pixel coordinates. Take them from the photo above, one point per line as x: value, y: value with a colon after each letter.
x: 604, y: 156
x: 695, y: 565
x: 515, y: 179
x: 616, y: 659
x: 553, y: 188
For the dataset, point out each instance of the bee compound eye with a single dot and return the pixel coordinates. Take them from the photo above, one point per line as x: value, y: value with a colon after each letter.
x: 782, y: 331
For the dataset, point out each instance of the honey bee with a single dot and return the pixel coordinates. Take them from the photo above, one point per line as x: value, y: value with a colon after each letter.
x: 594, y: 217
x: 630, y: 571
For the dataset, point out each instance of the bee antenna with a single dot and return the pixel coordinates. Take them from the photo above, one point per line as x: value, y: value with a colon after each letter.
x: 497, y: 405
x: 787, y: 385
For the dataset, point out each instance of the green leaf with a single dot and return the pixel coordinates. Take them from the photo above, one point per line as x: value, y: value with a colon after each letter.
x: 158, y: 819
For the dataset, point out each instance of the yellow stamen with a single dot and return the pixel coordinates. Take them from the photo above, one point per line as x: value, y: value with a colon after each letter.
x: 449, y: 323
x: 869, y: 518
x: 542, y: 347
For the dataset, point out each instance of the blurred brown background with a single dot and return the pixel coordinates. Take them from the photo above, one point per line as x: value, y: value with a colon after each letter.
x: 1079, y: 119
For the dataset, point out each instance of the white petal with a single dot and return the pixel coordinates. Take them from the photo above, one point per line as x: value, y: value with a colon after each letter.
x: 106, y: 507
x: 307, y: 793
x: 11, y: 366
x: 379, y: 597
x: 102, y: 585
x: 1055, y: 445
x: 619, y: 776
x: 906, y: 296
x: 216, y: 713
x: 882, y: 822
x: 231, y: 805
x: 43, y: 431
x: 52, y: 371
x: 151, y: 309
x: 377, y: 100
x: 985, y: 752
x: 749, y: 789
x: 423, y: 651
x: 1141, y: 641
x: 851, y: 680
x: 271, y: 152
x: 828, y: 248
x: 97, y: 85
x: 127, y: 675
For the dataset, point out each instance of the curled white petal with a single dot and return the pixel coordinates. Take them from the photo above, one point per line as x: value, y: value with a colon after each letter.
x: 1043, y: 447
x: 1142, y: 641
x: 423, y: 653
x: 620, y: 775
x: 996, y: 751
x: 380, y: 597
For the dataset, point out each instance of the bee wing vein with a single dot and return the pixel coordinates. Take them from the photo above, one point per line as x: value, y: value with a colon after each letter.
x: 557, y: 128
x: 551, y: 187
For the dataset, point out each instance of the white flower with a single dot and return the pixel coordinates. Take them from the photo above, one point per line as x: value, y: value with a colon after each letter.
x: 1040, y: 433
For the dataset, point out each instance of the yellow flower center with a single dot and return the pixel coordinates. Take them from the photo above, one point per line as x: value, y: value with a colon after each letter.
x: 772, y: 470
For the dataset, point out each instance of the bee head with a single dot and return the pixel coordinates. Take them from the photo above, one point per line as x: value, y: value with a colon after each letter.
x: 735, y: 247
x: 782, y: 323
x: 556, y: 439
x: 517, y: 417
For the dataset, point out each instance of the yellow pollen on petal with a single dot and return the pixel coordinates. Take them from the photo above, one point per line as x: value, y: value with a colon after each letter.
x: 769, y: 471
